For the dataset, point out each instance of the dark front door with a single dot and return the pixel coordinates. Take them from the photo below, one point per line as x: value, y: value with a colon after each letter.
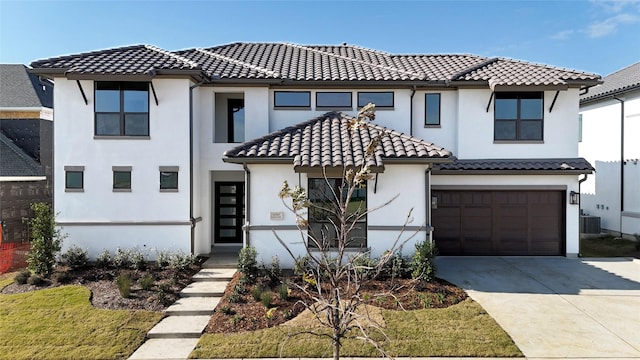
x: 229, y: 202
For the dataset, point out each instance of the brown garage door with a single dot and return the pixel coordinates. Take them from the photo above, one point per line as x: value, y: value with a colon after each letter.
x: 499, y: 222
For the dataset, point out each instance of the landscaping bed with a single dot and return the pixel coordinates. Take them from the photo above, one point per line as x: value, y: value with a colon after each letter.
x: 247, y: 313
x: 164, y: 290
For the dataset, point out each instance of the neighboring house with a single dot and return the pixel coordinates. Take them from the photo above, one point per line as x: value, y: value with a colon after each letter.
x: 610, y: 133
x: 154, y: 148
x: 26, y: 147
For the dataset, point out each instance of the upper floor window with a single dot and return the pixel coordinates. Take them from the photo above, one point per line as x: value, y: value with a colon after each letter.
x: 333, y: 100
x: 382, y: 99
x: 432, y: 109
x: 122, y: 108
x: 518, y: 116
x: 579, y: 127
x: 295, y: 99
x: 235, y: 120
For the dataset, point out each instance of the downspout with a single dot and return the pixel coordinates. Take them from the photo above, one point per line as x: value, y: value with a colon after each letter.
x: 621, y: 160
x: 413, y: 92
x: 427, y: 201
x: 580, y: 181
x: 247, y: 209
x: 191, y: 218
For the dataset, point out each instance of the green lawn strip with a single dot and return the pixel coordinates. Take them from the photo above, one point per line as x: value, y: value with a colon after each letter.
x: 61, y: 323
x: 6, y: 279
x: 608, y: 247
x: 464, y: 329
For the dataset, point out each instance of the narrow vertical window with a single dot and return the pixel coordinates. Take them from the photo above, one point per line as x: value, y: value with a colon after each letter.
x: 121, y: 178
x: 235, y: 120
x: 432, y: 109
x: 169, y: 178
x: 74, y: 178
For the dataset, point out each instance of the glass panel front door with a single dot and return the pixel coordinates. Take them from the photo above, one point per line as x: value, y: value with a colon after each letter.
x: 229, y: 202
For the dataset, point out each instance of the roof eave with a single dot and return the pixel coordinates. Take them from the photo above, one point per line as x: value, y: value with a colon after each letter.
x: 511, y: 172
x: 609, y: 94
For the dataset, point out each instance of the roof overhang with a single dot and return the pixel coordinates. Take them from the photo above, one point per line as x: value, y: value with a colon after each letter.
x: 511, y: 172
x: 22, y: 178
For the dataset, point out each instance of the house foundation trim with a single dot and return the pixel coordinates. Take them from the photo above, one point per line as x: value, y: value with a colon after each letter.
x: 125, y: 223
x: 498, y: 187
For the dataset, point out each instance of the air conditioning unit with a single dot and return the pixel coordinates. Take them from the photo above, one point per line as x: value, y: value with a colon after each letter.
x: 589, y: 224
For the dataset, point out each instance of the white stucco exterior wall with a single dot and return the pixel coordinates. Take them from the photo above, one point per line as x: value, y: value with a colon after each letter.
x: 406, y: 181
x: 94, y: 218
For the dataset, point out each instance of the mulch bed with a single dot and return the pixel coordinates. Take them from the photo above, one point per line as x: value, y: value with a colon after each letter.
x: 105, y: 294
x: 247, y: 314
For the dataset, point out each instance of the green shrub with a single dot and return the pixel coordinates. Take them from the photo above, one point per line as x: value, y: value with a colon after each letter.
x: 364, y: 265
x: 227, y: 310
x: 162, y: 259
x: 36, y: 280
x: 181, y: 261
x: 397, y: 267
x: 247, y: 263
x: 235, y: 297
x: 46, y: 240
x: 138, y: 261
x: 103, y: 260
x: 121, y: 258
x: 422, y: 264
x: 146, y: 282
x: 256, y: 293
x: 273, y: 272
x: 266, y: 298
x: 240, y: 288
x: 123, y: 281
x: 62, y: 277
x: 283, y: 292
x: 75, y: 257
x: 22, y: 277
x: 302, y: 266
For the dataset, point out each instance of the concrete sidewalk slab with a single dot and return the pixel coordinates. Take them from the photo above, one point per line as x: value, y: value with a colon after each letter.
x: 179, y: 327
x: 193, y: 306
x: 167, y: 349
x: 553, y: 306
x: 214, y: 274
x: 204, y: 289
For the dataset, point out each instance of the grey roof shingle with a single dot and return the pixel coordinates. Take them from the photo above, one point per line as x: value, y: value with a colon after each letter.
x: 318, y: 63
x: 573, y: 165
x: 129, y: 60
x: 14, y: 162
x: 325, y: 142
x: 623, y: 80
x: 18, y: 88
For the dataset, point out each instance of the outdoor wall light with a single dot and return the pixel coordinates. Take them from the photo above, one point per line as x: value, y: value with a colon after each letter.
x: 574, y: 198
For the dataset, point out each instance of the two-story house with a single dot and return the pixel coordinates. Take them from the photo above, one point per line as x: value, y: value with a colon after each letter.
x: 610, y: 116
x: 187, y: 150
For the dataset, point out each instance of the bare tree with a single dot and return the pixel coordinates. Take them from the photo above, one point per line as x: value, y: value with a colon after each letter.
x: 334, y: 274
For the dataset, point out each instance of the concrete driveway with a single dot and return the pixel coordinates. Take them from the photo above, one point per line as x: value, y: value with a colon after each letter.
x: 554, y: 306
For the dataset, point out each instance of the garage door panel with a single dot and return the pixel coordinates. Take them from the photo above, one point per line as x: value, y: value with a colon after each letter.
x: 499, y: 222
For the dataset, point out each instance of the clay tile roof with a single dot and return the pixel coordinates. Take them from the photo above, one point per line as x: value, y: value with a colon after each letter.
x: 14, y: 162
x: 325, y: 142
x: 500, y: 71
x: 623, y: 80
x: 317, y: 63
x: 574, y: 165
x: 130, y: 60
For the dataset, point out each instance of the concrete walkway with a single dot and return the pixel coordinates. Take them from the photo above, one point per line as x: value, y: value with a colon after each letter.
x: 554, y: 307
x: 177, y: 334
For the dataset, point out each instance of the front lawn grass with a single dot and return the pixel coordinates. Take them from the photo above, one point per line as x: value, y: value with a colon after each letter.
x: 61, y: 323
x: 464, y: 329
x: 609, y: 246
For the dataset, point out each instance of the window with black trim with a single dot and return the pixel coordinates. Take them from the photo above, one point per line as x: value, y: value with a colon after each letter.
x: 121, y: 178
x: 235, y: 120
x: 168, y: 178
x: 518, y: 116
x: 74, y: 178
x: 431, y: 109
x: 330, y: 99
x: 121, y: 108
x: 292, y: 99
x: 322, y: 213
x: 579, y: 127
x: 382, y: 99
